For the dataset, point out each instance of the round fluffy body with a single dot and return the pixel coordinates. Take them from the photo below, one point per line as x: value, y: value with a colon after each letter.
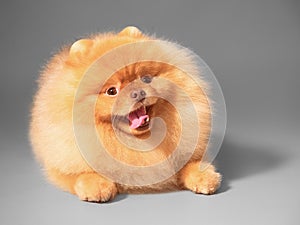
x: 51, y: 129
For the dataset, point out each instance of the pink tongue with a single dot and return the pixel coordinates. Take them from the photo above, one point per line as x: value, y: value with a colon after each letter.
x: 137, y: 122
x: 137, y: 118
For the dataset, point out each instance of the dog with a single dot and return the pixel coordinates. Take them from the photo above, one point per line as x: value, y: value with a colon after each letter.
x: 125, y: 106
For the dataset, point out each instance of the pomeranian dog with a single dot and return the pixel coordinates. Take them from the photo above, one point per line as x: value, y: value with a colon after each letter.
x: 123, y: 106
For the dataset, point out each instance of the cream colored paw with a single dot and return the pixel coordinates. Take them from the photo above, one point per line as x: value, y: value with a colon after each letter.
x: 94, y: 188
x: 206, y: 182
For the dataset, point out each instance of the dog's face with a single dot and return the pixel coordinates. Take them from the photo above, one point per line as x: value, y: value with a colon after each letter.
x: 133, y: 96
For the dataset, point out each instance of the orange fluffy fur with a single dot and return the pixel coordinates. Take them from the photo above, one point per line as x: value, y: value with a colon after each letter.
x: 52, y: 134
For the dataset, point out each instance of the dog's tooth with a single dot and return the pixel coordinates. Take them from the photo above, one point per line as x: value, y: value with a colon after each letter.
x: 144, y: 109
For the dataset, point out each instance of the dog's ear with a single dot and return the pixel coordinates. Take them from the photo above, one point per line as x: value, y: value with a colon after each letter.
x: 80, y: 47
x: 131, y: 31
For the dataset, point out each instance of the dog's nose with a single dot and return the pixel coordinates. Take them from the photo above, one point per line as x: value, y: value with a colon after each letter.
x: 138, y: 94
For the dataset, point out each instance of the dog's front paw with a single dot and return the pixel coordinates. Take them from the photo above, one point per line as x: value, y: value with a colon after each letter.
x: 206, y: 182
x: 94, y: 188
x: 200, y: 181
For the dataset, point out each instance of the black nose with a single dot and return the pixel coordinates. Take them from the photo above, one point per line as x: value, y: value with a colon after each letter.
x: 138, y: 94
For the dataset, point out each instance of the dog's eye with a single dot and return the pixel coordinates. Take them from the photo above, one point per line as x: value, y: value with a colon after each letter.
x: 112, y: 91
x: 146, y: 79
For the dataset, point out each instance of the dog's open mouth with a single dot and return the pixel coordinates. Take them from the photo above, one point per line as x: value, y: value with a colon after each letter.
x: 139, y: 118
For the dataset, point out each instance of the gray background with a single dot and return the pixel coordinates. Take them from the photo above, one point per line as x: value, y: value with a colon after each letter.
x: 252, y: 47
